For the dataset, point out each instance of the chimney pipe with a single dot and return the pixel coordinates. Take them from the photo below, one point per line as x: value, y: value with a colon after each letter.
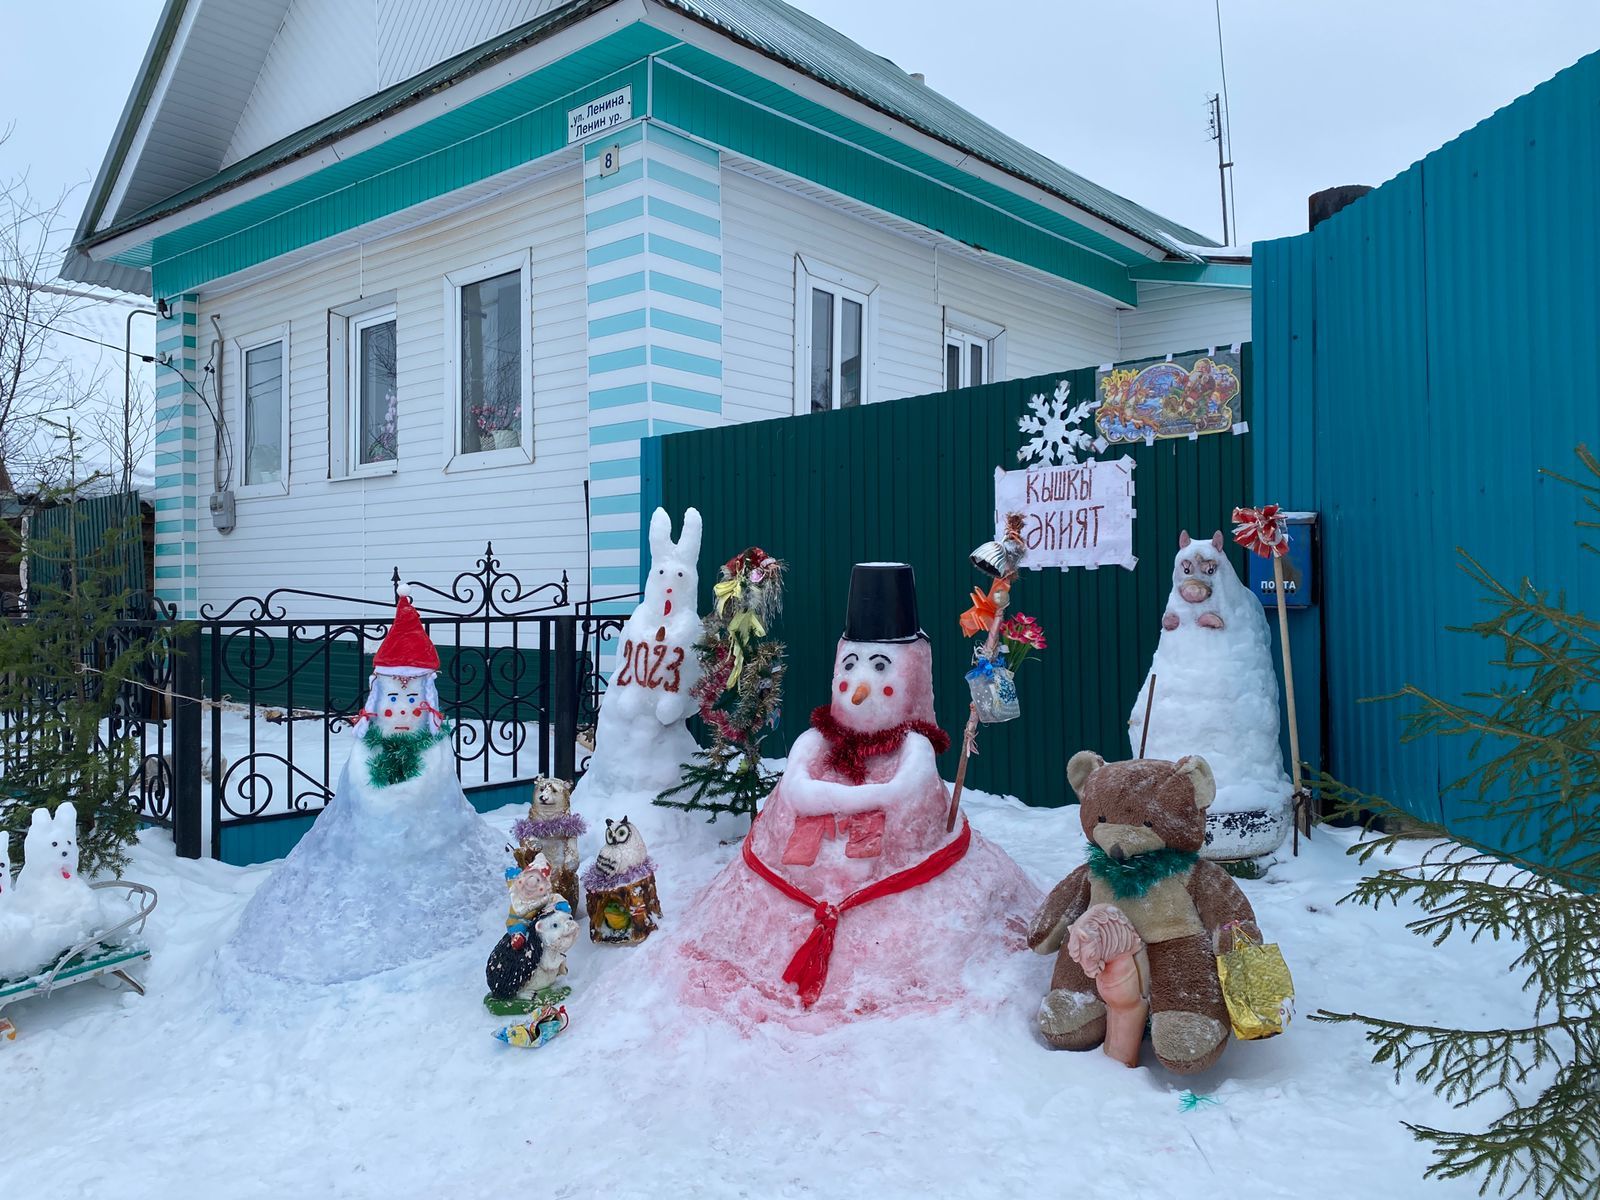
x: 1325, y: 203
x: 918, y: 77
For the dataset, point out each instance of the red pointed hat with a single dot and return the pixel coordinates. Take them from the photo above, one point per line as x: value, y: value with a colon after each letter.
x: 407, y: 649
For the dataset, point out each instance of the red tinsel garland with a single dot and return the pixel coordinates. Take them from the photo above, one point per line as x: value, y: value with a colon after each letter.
x: 848, y: 751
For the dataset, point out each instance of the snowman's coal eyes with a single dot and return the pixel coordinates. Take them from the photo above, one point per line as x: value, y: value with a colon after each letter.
x: 849, y: 663
x: 680, y: 574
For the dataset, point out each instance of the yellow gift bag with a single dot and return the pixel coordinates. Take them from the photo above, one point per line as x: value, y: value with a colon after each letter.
x: 1256, y: 986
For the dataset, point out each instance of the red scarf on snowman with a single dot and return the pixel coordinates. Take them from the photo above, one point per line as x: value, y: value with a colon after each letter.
x: 848, y: 754
x: 849, y: 750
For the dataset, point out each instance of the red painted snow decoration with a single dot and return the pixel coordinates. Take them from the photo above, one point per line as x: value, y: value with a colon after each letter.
x: 407, y: 647
x: 848, y: 751
x: 808, y: 969
x: 1261, y: 530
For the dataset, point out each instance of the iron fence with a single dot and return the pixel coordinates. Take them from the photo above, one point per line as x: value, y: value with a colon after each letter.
x: 238, y: 714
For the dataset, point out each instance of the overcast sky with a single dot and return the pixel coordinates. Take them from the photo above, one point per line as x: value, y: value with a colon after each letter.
x: 1323, y: 91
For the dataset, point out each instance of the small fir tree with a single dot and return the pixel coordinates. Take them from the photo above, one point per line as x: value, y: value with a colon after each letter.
x: 63, y: 664
x: 739, y: 692
x: 1536, y: 772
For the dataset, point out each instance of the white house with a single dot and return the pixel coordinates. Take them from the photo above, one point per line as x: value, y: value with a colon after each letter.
x: 427, y: 268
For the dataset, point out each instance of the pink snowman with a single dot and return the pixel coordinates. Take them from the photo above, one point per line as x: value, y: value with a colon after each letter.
x: 849, y: 896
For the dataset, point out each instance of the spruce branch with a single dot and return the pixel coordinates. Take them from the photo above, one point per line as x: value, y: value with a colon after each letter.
x: 1519, y: 864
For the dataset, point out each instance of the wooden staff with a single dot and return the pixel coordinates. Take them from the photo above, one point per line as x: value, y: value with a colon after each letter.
x: 1149, y: 699
x: 1001, y: 597
x: 1263, y: 531
x: 1302, y: 811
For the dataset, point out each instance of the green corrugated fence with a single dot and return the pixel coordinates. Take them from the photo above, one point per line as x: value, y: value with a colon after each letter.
x: 913, y: 480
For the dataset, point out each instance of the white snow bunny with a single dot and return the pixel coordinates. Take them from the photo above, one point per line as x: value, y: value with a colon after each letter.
x: 52, y: 908
x: 640, y: 740
x: 666, y: 619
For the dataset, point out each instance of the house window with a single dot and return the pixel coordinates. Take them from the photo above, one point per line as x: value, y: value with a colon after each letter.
x: 373, y: 389
x: 492, y: 371
x: 971, y: 350
x: 264, y: 416
x: 834, y: 328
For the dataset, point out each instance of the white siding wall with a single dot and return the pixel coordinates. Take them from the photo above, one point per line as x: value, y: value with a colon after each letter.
x: 415, y: 34
x: 1048, y: 327
x: 329, y: 54
x: 322, y: 60
x: 344, y: 535
x: 1174, y: 317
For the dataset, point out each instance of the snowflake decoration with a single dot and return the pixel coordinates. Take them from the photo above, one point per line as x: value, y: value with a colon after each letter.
x: 1053, y: 426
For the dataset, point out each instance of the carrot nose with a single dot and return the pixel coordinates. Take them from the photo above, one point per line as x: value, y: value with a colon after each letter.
x: 861, y: 693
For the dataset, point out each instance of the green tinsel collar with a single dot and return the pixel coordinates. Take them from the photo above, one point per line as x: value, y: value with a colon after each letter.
x: 1137, y: 875
x: 397, y: 757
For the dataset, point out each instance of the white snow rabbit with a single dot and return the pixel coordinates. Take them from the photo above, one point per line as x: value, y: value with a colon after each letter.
x: 669, y: 607
x: 52, y: 907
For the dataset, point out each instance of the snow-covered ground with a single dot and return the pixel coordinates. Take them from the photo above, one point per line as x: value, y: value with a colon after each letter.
x: 393, y: 1087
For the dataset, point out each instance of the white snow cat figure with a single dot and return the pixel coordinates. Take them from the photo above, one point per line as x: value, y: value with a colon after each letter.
x: 641, y: 739
x: 1216, y: 695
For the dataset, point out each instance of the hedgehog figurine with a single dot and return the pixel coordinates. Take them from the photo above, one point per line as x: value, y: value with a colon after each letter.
x: 620, y: 888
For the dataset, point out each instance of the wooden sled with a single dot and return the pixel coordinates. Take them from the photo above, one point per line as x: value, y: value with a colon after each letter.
x: 110, y: 952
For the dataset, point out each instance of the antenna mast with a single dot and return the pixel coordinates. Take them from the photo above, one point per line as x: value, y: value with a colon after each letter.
x: 1222, y: 134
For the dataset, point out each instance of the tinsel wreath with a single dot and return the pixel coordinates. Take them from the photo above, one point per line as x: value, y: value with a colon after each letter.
x: 1137, y: 875
x: 397, y: 757
x: 848, y: 751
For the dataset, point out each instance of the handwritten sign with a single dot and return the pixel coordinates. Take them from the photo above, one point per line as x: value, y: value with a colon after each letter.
x: 1075, y: 515
x: 600, y: 114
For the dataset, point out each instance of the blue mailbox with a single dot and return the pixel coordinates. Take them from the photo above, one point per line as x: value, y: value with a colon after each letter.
x: 1299, y: 565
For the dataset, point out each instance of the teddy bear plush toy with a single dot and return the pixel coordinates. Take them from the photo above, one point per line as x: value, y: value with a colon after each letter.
x: 1143, y: 919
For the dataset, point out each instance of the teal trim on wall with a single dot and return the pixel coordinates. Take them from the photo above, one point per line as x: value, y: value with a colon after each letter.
x: 683, y: 181
x: 621, y: 323
x: 601, y: 506
x: 519, y: 123
x: 684, y: 289
x: 676, y: 214
x: 614, y: 468
x: 682, y: 397
x: 880, y: 171
x: 672, y: 322
x: 721, y: 103
x: 623, y: 285
x: 680, y: 360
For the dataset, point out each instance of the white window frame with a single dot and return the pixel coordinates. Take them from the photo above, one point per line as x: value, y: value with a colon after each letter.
x: 241, y: 348
x: 344, y: 325
x: 457, y: 459
x: 809, y: 274
x: 967, y: 331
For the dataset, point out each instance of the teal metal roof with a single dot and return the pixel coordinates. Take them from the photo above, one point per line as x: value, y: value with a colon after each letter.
x: 768, y: 26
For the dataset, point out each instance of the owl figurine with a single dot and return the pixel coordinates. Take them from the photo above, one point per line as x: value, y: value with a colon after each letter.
x: 620, y: 888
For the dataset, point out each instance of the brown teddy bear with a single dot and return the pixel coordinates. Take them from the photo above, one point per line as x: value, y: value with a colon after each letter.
x: 1146, y: 821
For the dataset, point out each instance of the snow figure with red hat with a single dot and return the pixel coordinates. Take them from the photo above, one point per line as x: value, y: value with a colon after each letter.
x: 642, y: 738
x: 850, y: 897
x: 398, y: 866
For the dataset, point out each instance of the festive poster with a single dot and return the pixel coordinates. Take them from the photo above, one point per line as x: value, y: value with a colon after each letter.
x: 1073, y: 515
x: 1181, y: 397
